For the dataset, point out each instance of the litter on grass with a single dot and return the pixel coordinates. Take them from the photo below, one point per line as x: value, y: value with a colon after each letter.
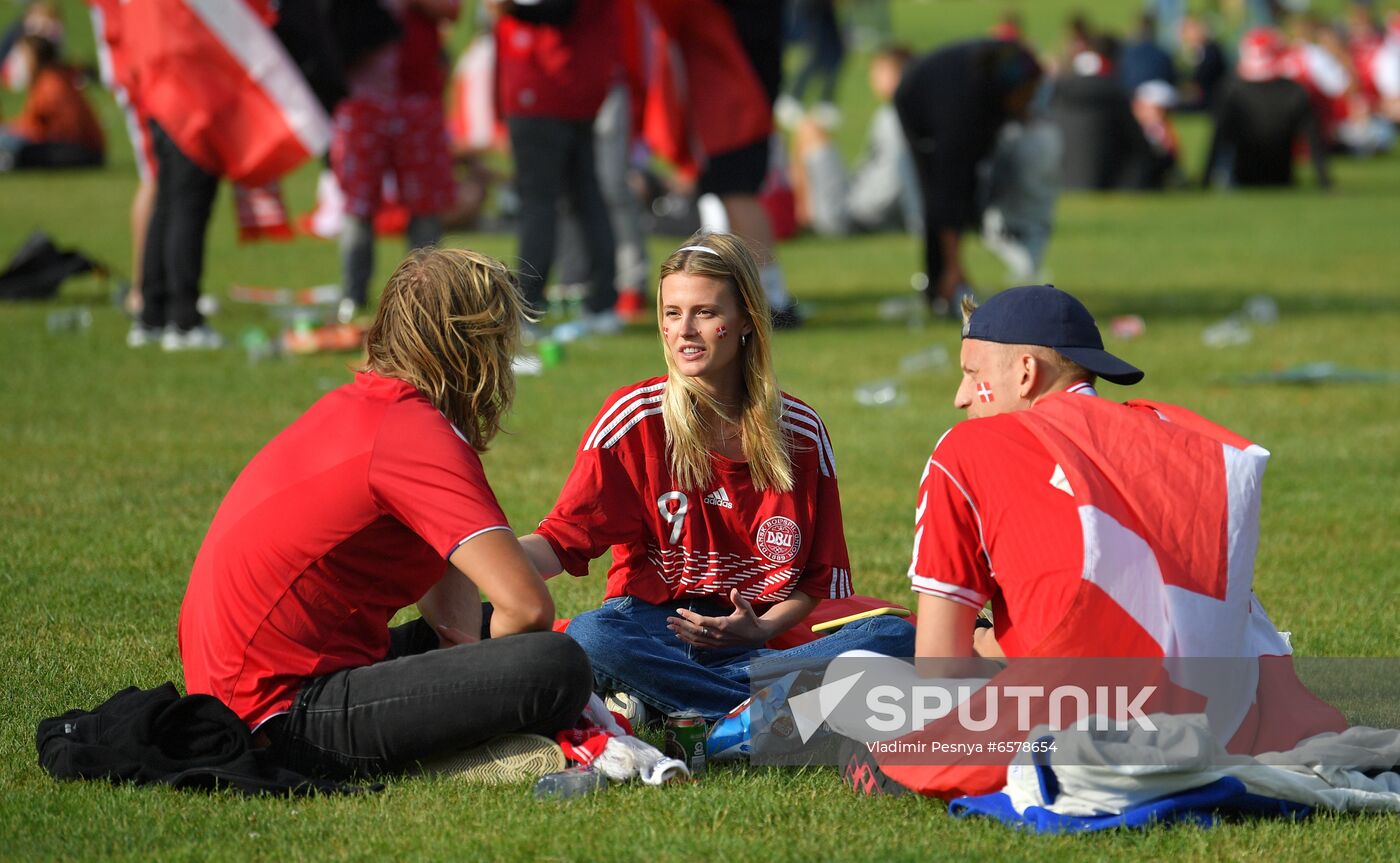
x: 1235, y: 330
x: 1320, y: 373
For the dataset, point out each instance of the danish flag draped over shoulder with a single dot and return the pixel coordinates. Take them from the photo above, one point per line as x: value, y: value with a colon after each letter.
x: 1168, y: 504
x: 221, y: 85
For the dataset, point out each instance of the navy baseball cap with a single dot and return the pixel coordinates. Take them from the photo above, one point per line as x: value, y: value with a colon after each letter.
x: 1047, y: 316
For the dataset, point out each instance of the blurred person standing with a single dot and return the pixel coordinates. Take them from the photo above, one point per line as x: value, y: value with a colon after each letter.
x: 731, y: 52
x: 814, y: 23
x: 1206, y: 62
x: 391, y: 125
x: 952, y: 105
x: 116, y: 76
x: 616, y: 131
x: 554, y: 66
x: 1143, y: 60
x: 224, y: 100
x: 1020, y: 189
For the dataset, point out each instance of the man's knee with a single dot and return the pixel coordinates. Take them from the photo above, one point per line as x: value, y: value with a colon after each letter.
x: 560, y: 665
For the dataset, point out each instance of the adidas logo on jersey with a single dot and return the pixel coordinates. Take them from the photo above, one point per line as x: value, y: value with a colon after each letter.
x: 719, y: 497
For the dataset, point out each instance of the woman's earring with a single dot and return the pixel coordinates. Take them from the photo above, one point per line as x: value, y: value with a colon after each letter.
x: 744, y: 340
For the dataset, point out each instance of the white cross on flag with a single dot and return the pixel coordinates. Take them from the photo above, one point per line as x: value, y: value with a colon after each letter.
x: 222, y: 87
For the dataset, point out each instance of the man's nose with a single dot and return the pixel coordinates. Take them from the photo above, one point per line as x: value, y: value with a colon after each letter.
x: 962, y: 399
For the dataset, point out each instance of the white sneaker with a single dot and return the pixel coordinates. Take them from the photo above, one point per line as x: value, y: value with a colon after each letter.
x: 345, y: 310
x: 201, y: 338
x: 141, y: 335
x: 596, y: 324
x: 631, y: 708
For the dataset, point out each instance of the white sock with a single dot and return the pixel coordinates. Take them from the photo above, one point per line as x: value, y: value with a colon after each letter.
x: 774, y: 286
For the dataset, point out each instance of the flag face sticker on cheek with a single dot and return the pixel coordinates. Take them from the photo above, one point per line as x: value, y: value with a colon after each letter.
x: 984, y: 392
x: 721, y: 331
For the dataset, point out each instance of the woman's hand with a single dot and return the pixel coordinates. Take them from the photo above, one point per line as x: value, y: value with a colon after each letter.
x: 743, y: 628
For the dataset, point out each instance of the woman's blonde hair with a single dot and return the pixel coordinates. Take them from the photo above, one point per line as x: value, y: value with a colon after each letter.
x: 688, y: 410
x: 449, y: 324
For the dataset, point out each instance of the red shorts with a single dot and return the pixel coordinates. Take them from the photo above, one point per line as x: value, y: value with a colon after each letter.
x: 405, y: 137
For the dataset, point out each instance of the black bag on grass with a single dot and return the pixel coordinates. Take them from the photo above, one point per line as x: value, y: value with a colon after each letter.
x: 155, y: 736
x: 39, y: 267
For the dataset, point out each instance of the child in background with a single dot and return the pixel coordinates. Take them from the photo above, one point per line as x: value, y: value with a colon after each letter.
x: 392, y: 124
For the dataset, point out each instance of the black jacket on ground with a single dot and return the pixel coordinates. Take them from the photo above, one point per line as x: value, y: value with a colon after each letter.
x: 154, y: 736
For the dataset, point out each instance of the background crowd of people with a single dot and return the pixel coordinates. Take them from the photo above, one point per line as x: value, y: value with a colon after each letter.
x: 583, y: 125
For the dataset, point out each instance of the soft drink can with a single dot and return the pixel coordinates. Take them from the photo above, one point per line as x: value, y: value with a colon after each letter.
x: 685, y: 740
x: 551, y: 353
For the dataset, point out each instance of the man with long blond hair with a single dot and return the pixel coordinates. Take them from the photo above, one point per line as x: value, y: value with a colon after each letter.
x: 373, y: 500
x: 717, y: 493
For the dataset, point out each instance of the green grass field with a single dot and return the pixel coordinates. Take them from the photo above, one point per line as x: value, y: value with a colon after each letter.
x: 112, y: 462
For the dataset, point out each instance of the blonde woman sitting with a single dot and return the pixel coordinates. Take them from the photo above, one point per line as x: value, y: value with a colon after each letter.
x: 717, y: 493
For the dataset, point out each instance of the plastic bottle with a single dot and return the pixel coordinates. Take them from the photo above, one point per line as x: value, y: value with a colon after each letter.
x: 70, y: 320
x: 574, y: 782
x: 881, y: 393
x: 925, y: 360
x: 1227, y: 333
x: 257, y: 345
x: 1261, y: 309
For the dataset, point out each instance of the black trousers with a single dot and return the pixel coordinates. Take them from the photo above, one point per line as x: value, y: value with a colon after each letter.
x: 554, y: 162
x: 174, y: 257
x: 424, y: 700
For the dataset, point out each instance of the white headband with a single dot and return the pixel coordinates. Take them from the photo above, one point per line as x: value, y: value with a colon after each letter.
x: 698, y: 249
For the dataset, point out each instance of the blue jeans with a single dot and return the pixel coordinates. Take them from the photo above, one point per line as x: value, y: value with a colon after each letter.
x: 631, y: 649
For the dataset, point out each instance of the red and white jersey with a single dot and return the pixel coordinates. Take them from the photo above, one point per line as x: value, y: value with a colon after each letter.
x: 670, y: 542
x: 345, y: 517
x: 984, y: 472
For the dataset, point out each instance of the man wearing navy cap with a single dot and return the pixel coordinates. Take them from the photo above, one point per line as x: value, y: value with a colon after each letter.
x: 1094, y: 529
x: 990, y: 492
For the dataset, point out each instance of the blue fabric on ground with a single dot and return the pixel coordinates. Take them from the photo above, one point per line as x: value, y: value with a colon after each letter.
x: 1203, y: 805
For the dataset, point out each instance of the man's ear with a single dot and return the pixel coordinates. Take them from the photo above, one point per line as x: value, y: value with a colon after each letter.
x: 1030, y: 373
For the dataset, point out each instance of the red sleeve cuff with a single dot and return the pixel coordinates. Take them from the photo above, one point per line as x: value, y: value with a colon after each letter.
x: 574, y: 564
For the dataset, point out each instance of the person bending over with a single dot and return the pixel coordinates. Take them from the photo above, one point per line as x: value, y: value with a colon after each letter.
x: 717, y: 493
x: 373, y: 500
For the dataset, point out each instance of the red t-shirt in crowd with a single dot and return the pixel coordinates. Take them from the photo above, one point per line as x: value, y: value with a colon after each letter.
x: 670, y: 542
x: 996, y: 520
x: 341, y: 520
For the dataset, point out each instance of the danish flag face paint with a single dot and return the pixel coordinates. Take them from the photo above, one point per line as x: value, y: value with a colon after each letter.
x: 721, y: 331
x: 984, y: 392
